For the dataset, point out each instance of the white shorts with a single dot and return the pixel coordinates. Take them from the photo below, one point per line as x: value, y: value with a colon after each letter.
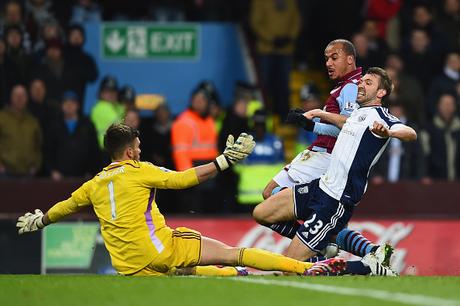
x: 304, y: 168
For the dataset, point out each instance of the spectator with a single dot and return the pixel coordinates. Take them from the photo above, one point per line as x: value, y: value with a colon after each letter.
x: 365, y: 57
x: 14, y: 17
x: 444, y: 82
x: 20, y: 137
x: 107, y: 110
x: 441, y: 141
x: 401, y: 160
x: 127, y: 96
x: 37, y: 13
x: 83, y: 65
x: 56, y: 72
x: 235, y: 122
x: 40, y: 106
x: 132, y: 118
x: 449, y: 23
x: 262, y: 164
x: 21, y: 62
x: 419, y: 59
x: 269, y: 147
x: 194, y: 142
x: 422, y: 19
x: 6, y: 72
x: 408, y: 93
x: 309, y: 97
x: 382, y: 11
x: 71, y: 148
x: 194, y: 137
x: 276, y: 24
x: 156, y: 137
x: 85, y: 11
x: 49, y: 31
x: 215, y: 109
x: 376, y: 45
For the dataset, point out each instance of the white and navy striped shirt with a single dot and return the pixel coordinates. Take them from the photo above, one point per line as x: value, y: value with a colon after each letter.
x: 356, y: 151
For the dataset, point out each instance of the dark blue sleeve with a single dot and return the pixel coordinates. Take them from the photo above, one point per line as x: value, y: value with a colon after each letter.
x: 389, y: 119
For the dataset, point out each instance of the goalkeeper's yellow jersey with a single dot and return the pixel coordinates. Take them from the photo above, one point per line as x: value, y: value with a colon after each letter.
x: 123, y: 198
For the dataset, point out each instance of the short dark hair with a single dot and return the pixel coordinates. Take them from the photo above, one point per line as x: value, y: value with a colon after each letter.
x: 347, y: 45
x: 385, y: 81
x: 117, y: 137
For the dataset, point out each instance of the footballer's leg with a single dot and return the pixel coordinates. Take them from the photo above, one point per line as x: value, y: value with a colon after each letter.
x: 354, y: 242
x: 278, y: 213
x: 210, y: 271
x: 214, y: 252
x: 277, y: 208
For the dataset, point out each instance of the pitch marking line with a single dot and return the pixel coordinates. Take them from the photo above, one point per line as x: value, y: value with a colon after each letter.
x: 406, y: 298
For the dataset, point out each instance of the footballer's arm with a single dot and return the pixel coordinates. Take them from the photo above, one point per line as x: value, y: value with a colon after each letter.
x: 399, y: 131
x: 31, y: 222
x: 335, y: 119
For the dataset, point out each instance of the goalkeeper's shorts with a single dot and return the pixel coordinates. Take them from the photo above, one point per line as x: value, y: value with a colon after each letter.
x: 182, y: 249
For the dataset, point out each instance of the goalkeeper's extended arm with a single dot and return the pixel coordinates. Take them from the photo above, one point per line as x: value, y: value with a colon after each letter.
x: 234, y: 152
x: 33, y: 222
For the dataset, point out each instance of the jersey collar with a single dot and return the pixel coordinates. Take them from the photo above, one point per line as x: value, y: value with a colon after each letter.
x: 352, y: 75
x: 114, y: 165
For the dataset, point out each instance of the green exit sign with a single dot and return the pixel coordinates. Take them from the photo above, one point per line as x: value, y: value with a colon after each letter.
x: 125, y: 41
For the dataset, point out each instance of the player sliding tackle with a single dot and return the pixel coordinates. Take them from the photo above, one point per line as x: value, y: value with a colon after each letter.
x: 326, y: 204
x: 134, y: 230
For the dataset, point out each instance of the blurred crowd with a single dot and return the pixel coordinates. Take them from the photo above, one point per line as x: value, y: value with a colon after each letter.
x: 44, y: 72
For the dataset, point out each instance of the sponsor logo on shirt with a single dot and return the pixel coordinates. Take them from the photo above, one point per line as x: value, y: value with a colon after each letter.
x: 348, y: 132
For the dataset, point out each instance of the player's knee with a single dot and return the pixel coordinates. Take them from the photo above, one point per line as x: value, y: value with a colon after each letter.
x: 260, y: 215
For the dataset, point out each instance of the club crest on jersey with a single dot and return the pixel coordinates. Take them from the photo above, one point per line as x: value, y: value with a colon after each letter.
x: 303, y: 190
x: 362, y: 118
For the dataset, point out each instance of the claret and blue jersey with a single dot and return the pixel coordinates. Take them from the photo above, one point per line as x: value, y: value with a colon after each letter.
x: 356, y: 151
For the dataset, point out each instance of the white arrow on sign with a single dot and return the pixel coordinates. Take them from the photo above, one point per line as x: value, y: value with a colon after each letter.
x: 114, y: 41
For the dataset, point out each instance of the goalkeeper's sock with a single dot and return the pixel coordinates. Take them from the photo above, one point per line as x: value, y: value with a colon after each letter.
x: 286, y: 229
x: 216, y: 271
x: 268, y: 261
x: 353, y: 242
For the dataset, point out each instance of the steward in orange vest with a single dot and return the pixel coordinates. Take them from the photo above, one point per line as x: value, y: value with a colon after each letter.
x: 193, y: 134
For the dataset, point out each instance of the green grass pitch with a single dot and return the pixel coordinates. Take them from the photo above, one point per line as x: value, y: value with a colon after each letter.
x: 88, y: 290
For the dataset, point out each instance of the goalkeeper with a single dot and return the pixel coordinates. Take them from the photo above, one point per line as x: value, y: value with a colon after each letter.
x: 134, y: 230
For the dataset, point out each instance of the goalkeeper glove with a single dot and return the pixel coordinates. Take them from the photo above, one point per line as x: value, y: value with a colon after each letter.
x: 30, y: 222
x: 235, y: 151
x: 296, y: 116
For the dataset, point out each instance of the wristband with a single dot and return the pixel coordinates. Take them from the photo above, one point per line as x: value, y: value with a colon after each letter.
x: 221, y: 163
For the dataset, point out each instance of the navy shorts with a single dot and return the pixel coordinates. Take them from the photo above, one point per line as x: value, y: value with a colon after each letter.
x: 323, y: 216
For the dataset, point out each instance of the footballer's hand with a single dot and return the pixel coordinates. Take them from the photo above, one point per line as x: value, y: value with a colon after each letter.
x: 380, y: 129
x: 30, y: 222
x: 235, y: 151
x: 296, y: 116
x: 242, y: 147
